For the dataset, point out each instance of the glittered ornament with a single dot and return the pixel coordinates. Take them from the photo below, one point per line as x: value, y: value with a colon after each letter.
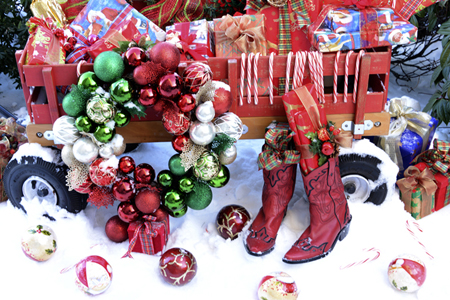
x: 148, y: 73
x: 74, y: 103
x: 64, y: 131
x: 407, y: 273
x: 196, y: 75
x: 221, y: 179
x: 128, y: 212
x: 126, y: 164
x: 144, y: 173
x: 169, y: 86
x: 121, y: 91
x: 84, y: 124
x: 186, y: 184
x: 101, y: 172
x: 200, y: 197
x: 123, y: 189
x: 165, y: 178
x: 205, y: 112
x: 228, y: 156
x: 78, y: 178
x: 166, y: 54
x: 109, y: 66
x: 277, y: 286
x: 89, y: 81
x: 186, y: 103
x: 177, y: 266
x: 147, y: 96
x: 116, y: 229
x: 147, y: 200
x: 176, y: 122
x: 93, y: 275
x: 84, y: 187
x: 104, y: 133
x: 179, y: 142
x: 175, y: 165
x: 85, y: 150
x: 135, y: 56
x: 122, y: 118
x: 230, y: 124
x: 202, y: 133
x: 100, y: 109
x: 207, y: 166
x: 230, y: 221
x: 101, y: 196
x: 39, y: 242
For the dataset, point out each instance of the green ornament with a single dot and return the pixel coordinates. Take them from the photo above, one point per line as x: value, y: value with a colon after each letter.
x: 165, y: 178
x: 121, y: 91
x: 207, y: 166
x: 175, y: 165
x: 186, y: 184
x: 122, y: 118
x: 221, y: 179
x: 84, y: 124
x: 89, y: 81
x: 100, y: 110
x: 200, y: 197
x: 104, y: 134
x: 178, y: 213
x: 109, y: 66
x: 174, y: 200
x: 74, y: 103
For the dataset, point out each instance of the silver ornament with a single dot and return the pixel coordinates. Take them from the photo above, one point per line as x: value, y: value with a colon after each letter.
x: 230, y: 124
x: 106, y: 151
x: 228, y: 156
x: 117, y: 144
x: 205, y: 112
x: 85, y: 150
x: 67, y: 155
x: 64, y: 131
x: 202, y: 133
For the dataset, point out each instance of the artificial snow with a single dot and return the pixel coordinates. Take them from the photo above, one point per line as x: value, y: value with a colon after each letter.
x: 34, y: 149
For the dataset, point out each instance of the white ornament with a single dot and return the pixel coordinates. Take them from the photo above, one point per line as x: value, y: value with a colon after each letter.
x: 407, y: 273
x: 39, y: 242
x: 230, y: 124
x: 205, y: 112
x: 277, y: 286
x: 228, y: 156
x: 202, y: 133
x: 64, y: 131
x: 118, y: 144
x: 106, y: 151
x: 94, y: 275
x: 85, y: 150
x: 67, y: 155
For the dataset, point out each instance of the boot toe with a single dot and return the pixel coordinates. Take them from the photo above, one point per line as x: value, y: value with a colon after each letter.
x: 257, y: 247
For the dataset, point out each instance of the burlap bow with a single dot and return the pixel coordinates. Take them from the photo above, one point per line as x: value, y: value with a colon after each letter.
x: 275, y: 150
x: 237, y: 31
x: 146, y: 231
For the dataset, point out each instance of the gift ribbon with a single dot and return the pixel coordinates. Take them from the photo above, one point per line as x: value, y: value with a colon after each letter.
x: 437, y: 158
x: 237, y: 31
x: 162, y: 12
x: 344, y: 139
x: 413, y: 179
x: 275, y: 150
x: 48, y: 9
x: 183, y: 40
x: 146, y: 232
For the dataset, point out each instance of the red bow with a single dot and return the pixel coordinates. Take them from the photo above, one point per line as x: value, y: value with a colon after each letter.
x: 184, y: 43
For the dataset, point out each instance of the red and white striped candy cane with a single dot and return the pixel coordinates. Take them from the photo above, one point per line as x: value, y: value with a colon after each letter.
x: 241, y: 94
x: 302, y: 65
x: 288, y: 71
x: 316, y: 68
x: 410, y: 230
x: 313, y: 69
x: 373, y: 254
x: 358, y: 60
x: 255, y: 82
x: 296, y: 77
x: 271, y: 77
x: 249, y: 77
x: 347, y: 59
x: 336, y: 69
x: 321, y: 91
x: 80, y: 63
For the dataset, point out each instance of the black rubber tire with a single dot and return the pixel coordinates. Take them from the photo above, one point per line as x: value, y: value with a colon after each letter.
x: 17, y: 172
x: 366, y: 167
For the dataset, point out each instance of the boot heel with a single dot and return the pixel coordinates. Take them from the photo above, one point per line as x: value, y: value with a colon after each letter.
x: 344, y: 231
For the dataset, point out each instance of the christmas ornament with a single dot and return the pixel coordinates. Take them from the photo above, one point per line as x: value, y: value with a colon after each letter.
x: 148, y: 73
x: 85, y: 150
x: 64, y: 131
x: 165, y: 178
x: 196, y: 75
x: 84, y: 187
x: 101, y: 196
x: 230, y: 124
x: 78, y: 178
x: 327, y: 148
x: 135, y: 56
x: 191, y: 153
x: 200, y: 197
x: 186, y: 184
x: 277, y: 286
x: 230, y: 221
x: 126, y: 164
x: 176, y: 122
x: 178, y: 213
x: 93, y: 275
x: 223, y: 98
x: 175, y: 166
x: 128, y: 212
x: 89, y: 81
x: 116, y: 229
x: 179, y: 142
x: 39, y: 242
x: 177, y: 266
x: 84, y: 124
x: 74, y: 103
x: 100, y: 110
x: 147, y: 200
x: 122, y: 118
x: 169, y: 86
x: 109, y: 66
x: 148, y: 96
x: 121, y: 91
x: 407, y: 273
x: 221, y: 179
x: 67, y: 155
x: 101, y: 172
x: 161, y: 214
x: 144, y: 173
x: 207, y: 166
x: 202, y: 133
x: 228, y: 156
x: 205, y: 112
x: 104, y: 133
x: 92, y: 39
x: 167, y: 55
x: 186, y: 103
x: 118, y: 145
x: 123, y: 189
x: 174, y: 203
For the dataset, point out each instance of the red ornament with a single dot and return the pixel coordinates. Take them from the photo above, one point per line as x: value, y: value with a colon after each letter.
x: 179, y: 142
x: 196, y: 75
x: 68, y: 47
x: 230, y: 220
x: 177, y: 266
x: 144, y: 173
x: 135, y: 56
x: 277, y: 285
x: 323, y: 135
x: 123, y: 189
x: 72, y: 40
x: 186, y: 103
x: 147, y: 200
x: 101, y: 196
x: 148, y: 96
x: 93, y: 38
x: 116, y: 229
x: 167, y: 55
x: 170, y: 86
x: 128, y: 212
x: 126, y: 164
x: 175, y: 122
x: 93, y: 275
x: 327, y: 148
x: 222, y: 99
x: 85, y: 187
x: 160, y: 214
x: 101, y: 173
x: 148, y: 73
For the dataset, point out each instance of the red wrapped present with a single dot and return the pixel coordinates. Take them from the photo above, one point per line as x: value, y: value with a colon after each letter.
x: 148, y: 235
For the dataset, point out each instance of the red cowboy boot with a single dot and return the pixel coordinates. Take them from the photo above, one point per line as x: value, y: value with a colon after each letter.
x: 330, y: 216
x: 279, y: 184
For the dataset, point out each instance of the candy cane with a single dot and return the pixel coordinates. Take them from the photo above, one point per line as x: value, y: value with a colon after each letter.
x: 321, y: 93
x: 296, y: 78
x: 374, y: 254
x: 336, y: 63
x: 313, y: 69
x: 255, y: 82
x: 347, y: 59
x: 355, y: 89
x: 249, y: 78
x: 288, y: 71
x: 302, y: 65
x: 271, y: 77
x: 410, y: 230
x: 241, y: 94
x: 80, y: 63
x: 317, y: 73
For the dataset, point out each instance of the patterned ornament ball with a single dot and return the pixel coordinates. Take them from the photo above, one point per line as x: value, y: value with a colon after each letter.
x: 175, y: 166
x: 221, y: 179
x: 127, y: 164
x: 407, y: 273
x: 124, y: 189
x: 230, y: 221
x: 229, y: 124
x: 222, y: 98
x: 200, y: 197
x: 128, y: 212
x: 177, y: 266
x: 109, y: 66
x: 144, y: 173
x: 85, y: 150
x: 176, y: 122
x: 196, y: 75
x: 101, y: 172
x: 169, y: 86
x: 186, y: 103
x: 100, y: 110
x: 64, y: 131
x: 121, y: 91
x: 116, y: 229
x: 147, y: 200
x: 277, y: 286
x: 93, y: 275
x: 39, y: 242
x: 85, y: 187
x: 165, y: 178
x: 104, y: 133
x: 179, y: 142
x: 134, y: 56
x: 148, y: 96
x: 207, y: 166
x: 167, y: 55
x: 89, y: 81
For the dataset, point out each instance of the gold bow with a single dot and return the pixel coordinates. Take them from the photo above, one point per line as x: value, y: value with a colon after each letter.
x: 248, y: 40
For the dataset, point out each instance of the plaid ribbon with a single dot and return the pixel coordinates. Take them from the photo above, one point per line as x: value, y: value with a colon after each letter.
x: 164, y: 11
x: 409, y: 8
x: 275, y: 151
x: 146, y: 231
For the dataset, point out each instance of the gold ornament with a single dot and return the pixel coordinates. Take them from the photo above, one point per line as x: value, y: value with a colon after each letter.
x: 191, y: 153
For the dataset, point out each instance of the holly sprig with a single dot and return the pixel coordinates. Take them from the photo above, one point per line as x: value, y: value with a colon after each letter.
x: 323, y: 142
